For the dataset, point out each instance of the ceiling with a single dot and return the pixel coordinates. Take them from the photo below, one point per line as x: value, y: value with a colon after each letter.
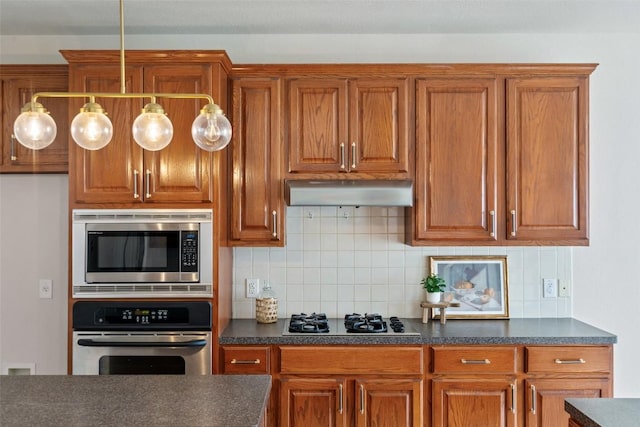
x: 101, y: 17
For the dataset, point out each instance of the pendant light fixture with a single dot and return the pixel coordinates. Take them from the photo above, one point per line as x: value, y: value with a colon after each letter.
x: 91, y: 129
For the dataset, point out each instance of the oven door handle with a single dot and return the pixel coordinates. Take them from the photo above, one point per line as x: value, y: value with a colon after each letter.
x: 93, y: 343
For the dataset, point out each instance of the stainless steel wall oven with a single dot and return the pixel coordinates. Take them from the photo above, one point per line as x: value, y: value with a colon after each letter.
x: 141, y: 338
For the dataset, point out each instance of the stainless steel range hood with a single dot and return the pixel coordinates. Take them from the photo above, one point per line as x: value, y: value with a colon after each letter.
x: 349, y: 192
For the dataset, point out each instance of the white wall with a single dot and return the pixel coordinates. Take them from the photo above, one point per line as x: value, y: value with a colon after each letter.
x: 607, y: 264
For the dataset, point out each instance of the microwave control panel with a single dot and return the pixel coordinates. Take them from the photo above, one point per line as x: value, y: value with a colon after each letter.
x: 189, y: 247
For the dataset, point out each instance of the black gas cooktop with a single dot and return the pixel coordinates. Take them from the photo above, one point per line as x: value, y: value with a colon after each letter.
x: 352, y: 324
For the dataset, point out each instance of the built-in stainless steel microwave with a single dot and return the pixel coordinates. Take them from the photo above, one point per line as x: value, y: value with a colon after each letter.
x: 142, y: 253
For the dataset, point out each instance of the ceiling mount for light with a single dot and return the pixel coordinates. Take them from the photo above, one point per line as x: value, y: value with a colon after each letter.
x: 91, y: 128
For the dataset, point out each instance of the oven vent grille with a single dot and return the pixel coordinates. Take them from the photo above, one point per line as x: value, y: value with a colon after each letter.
x: 142, y: 215
x: 144, y: 290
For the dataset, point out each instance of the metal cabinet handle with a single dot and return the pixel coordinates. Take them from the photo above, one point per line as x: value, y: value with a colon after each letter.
x: 274, y: 215
x: 13, y: 148
x: 353, y: 155
x: 513, y: 398
x: 340, y: 404
x: 570, y: 361
x: 136, y: 195
x: 513, y: 222
x: 342, y: 164
x: 148, y: 184
x: 245, y: 362
x: 475, y: 361
x: 533, y: 399
x: 361, y: 399
x: 493, y: 223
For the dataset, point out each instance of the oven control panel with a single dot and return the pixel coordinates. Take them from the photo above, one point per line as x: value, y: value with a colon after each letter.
x: 142, y: 315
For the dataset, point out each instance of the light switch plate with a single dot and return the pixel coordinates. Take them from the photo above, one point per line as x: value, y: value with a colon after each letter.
x: 45, y: 288
x: 564, y: 289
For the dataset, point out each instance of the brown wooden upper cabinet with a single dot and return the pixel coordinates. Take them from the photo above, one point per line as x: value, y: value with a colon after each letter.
x: 502, y: 159
x: 457, y: 160
x: 257, y: 205
x: 17, y: 84
x: 122, y: 172
x: 547, y: 159
x: 349, y: 125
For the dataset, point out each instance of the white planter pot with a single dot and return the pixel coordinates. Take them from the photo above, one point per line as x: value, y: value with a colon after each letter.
x: 434, y: 297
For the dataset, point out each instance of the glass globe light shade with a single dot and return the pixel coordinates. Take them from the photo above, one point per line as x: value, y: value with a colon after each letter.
x: 34, y: 129
x: 211, y: 130
x: 152, y: 129
x: 91, y: 129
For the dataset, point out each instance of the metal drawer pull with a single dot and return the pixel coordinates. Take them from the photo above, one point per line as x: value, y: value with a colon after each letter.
x: 340, y: 398
x: 475, y: 361
x: 513, y: 398
x: 533, y: 399
x: 570, y: 361
x: 274, y: 214
x: 493, y: 223
x: 13, y: 148
x: 148, y: 185
x: 513, y: 222
x: 361, y: 399
x: 245, y: 362
x: 136, y: 195
x: 342, y: 165
x: 353, y: 155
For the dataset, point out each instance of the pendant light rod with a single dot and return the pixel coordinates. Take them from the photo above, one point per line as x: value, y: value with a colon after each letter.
x: 123, y: 89
x: 93, y: 95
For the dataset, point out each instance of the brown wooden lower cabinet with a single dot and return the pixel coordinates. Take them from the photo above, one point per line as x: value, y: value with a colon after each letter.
x: 437, y: 386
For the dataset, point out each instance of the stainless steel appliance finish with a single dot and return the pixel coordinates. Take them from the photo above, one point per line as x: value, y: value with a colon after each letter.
x: 140, y: 253
x: 349, y: 192
x: 141, y: 338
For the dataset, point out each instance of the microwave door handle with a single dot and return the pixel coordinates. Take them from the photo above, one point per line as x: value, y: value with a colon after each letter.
x: 93, y: 343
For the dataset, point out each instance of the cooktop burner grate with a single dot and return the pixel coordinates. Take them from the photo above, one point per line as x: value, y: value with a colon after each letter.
x: 364, y: 324
x: 309, y: 324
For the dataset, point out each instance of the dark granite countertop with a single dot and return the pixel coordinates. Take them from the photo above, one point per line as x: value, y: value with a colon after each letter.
x: 544, y: 331
x: 604, y: 412
x: 118, y: 400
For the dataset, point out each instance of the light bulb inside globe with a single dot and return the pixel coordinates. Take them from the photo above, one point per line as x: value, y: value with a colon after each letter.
x: 211, y: 130
x: 35, y: 128
x: 152, y: 130
x: 91, y: 129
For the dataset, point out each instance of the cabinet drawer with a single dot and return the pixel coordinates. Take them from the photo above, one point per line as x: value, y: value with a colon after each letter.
x: 351, y: 360
x: 245, y: 360
x: 477, y: 359
x: 570, y: 359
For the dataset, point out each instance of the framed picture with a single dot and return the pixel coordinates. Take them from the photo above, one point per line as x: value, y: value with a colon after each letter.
x: 478, y: 283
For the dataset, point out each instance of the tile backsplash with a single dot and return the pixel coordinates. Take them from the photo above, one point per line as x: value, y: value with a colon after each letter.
x: 342, y: 260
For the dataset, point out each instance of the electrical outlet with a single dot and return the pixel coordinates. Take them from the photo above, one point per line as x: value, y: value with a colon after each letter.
x: 549, y: 288
x: 46, y: 288
x: 565, y: 288
x: 253, y: 288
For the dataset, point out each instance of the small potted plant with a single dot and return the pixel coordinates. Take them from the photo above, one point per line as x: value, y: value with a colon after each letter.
x: 434, y: 285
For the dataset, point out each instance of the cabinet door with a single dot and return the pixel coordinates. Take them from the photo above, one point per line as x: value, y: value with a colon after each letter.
x: 181, y: 172
x: 457, y: 165
x: 473, y: 403
x: 378, y: 125
x: 257, y: 207
x: 313, y: 402
x: 393, y: 402
x: 547, y: 138
x: 16, y: 92
x: 545, y: 398
x: 318, y: 125
x: 114, y: 173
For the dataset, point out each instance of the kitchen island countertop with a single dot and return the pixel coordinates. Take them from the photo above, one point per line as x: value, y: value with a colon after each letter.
x: 528, y: 331
x: 117, y: 400
x: 604, y: 412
